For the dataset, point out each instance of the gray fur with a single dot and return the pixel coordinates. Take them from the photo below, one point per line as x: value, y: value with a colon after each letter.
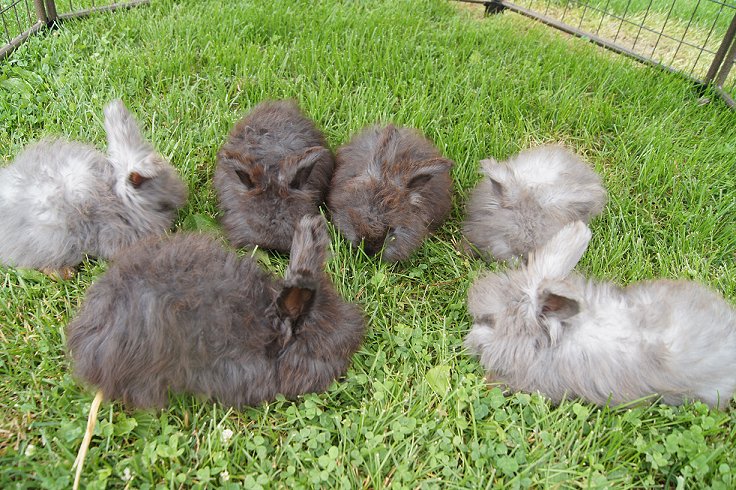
x: 522, y: 202
x: 274, y: 168
x: 544, y: 328
x: 61, y: 199
x: 180, y: 313
x: 391, y: 188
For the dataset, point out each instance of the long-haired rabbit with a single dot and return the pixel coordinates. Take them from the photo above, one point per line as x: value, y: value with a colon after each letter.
x: 181, y: 313
x: 61, y: 199
x: 273, y: 169
x: 544, y: 328
x: 522, y: 202
x: 390, y: 189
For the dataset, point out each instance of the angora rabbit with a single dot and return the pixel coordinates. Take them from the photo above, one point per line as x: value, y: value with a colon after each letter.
x: 523, y: 202
x: 544, y: 328
x: 390, y: 189
x: 273, y: 169
x: 61, y: 199
x: 183, y: 314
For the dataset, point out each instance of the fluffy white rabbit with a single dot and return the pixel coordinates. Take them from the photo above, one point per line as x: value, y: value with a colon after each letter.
x: 522, y: 202
x: 544, y: 328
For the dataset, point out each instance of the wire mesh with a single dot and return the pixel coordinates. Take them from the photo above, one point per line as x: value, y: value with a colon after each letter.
x: 21, y: 18
x: 17, y: 17
x: 680, y: 35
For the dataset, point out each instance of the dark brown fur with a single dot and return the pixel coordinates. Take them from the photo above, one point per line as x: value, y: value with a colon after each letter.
x: 183, y: 314
x: 273, y: 169
x: 391, y: 187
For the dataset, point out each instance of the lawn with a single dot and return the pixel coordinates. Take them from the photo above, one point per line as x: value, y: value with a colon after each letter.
x: 413, y: 411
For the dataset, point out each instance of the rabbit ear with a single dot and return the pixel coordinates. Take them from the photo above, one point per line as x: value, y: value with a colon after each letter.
x: 495, y: 173
x: 487, y: 165
x: 557, y: 306
x: 298, y: 170
x: 125, y: 144
x: 561, y: 253
x: 136, y: 179
x: 250, y: 175
x: 383, y: 151
x: 429, y: 169
x: 308, y: 250
x: 294, y: 301
x: 245, y: 178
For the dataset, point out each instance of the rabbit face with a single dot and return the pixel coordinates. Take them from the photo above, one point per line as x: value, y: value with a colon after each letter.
x: 390, y: 189
x: 273, y: 169
x: 156, y: 187
x: 267, y: 206
x: 380, y: 218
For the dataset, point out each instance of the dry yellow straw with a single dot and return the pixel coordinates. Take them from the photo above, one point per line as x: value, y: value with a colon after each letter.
x: 91, y: 422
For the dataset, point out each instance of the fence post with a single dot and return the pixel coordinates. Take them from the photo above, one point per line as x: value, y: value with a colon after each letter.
x: 40, y: 11
x: 721, y: 53
x: 726, y: 66
x: 51, y: 11
x: 494, y: 7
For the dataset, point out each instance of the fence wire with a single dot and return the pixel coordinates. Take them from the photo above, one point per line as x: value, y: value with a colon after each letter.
x: 22, y: 18
x: 696, y: 38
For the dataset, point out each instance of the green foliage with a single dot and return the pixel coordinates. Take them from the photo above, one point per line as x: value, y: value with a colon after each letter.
x: 413, y: 410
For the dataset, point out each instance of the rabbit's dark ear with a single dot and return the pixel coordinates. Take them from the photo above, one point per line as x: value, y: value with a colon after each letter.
x: 245, y: 178
x: 495, y: 173
x: 497, y: 187
x: 557, y: 306
x: 243, y: 166
x: 429, y: 169
x: 293, y: 302
x: 136, y: 179
x: 298, y: 171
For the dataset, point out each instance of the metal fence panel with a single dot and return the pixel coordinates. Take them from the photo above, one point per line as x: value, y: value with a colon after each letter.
x: 691, y: 37
x: 22, y: 18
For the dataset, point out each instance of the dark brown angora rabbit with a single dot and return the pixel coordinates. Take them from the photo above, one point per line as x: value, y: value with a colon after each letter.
x: 390, y: 189
x: 61, y: 199
x: 182, y: 314
x: 522, y: 202
x: 545, y: 328
x: 273, y: 169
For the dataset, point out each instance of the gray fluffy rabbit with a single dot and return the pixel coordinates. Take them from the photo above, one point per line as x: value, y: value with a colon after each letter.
x: 544, y: 328
x: 390, y: 189
x: 273, y: 169
x: 522, y: 202
x: 60, y: 199
x: 181, y: 313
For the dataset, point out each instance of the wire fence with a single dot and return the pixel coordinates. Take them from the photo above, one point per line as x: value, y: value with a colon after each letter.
x: 696, y: 38
x: 22, y: 18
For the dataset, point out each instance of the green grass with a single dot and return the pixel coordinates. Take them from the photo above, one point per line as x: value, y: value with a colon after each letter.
x: 680, y: 34
x: 413, y: 410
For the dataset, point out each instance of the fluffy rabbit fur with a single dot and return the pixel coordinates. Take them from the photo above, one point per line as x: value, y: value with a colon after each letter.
x: 182, y: 314
x: 523, y: 202
x: 391, y: 188
x: 60, y: 199
x: 543, y: 328
x: 274, y: 168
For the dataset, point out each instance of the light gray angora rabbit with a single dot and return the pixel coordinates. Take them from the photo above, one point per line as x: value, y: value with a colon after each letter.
x: 522, y: 202
x: 545, y: 328
x: 62, y: 199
